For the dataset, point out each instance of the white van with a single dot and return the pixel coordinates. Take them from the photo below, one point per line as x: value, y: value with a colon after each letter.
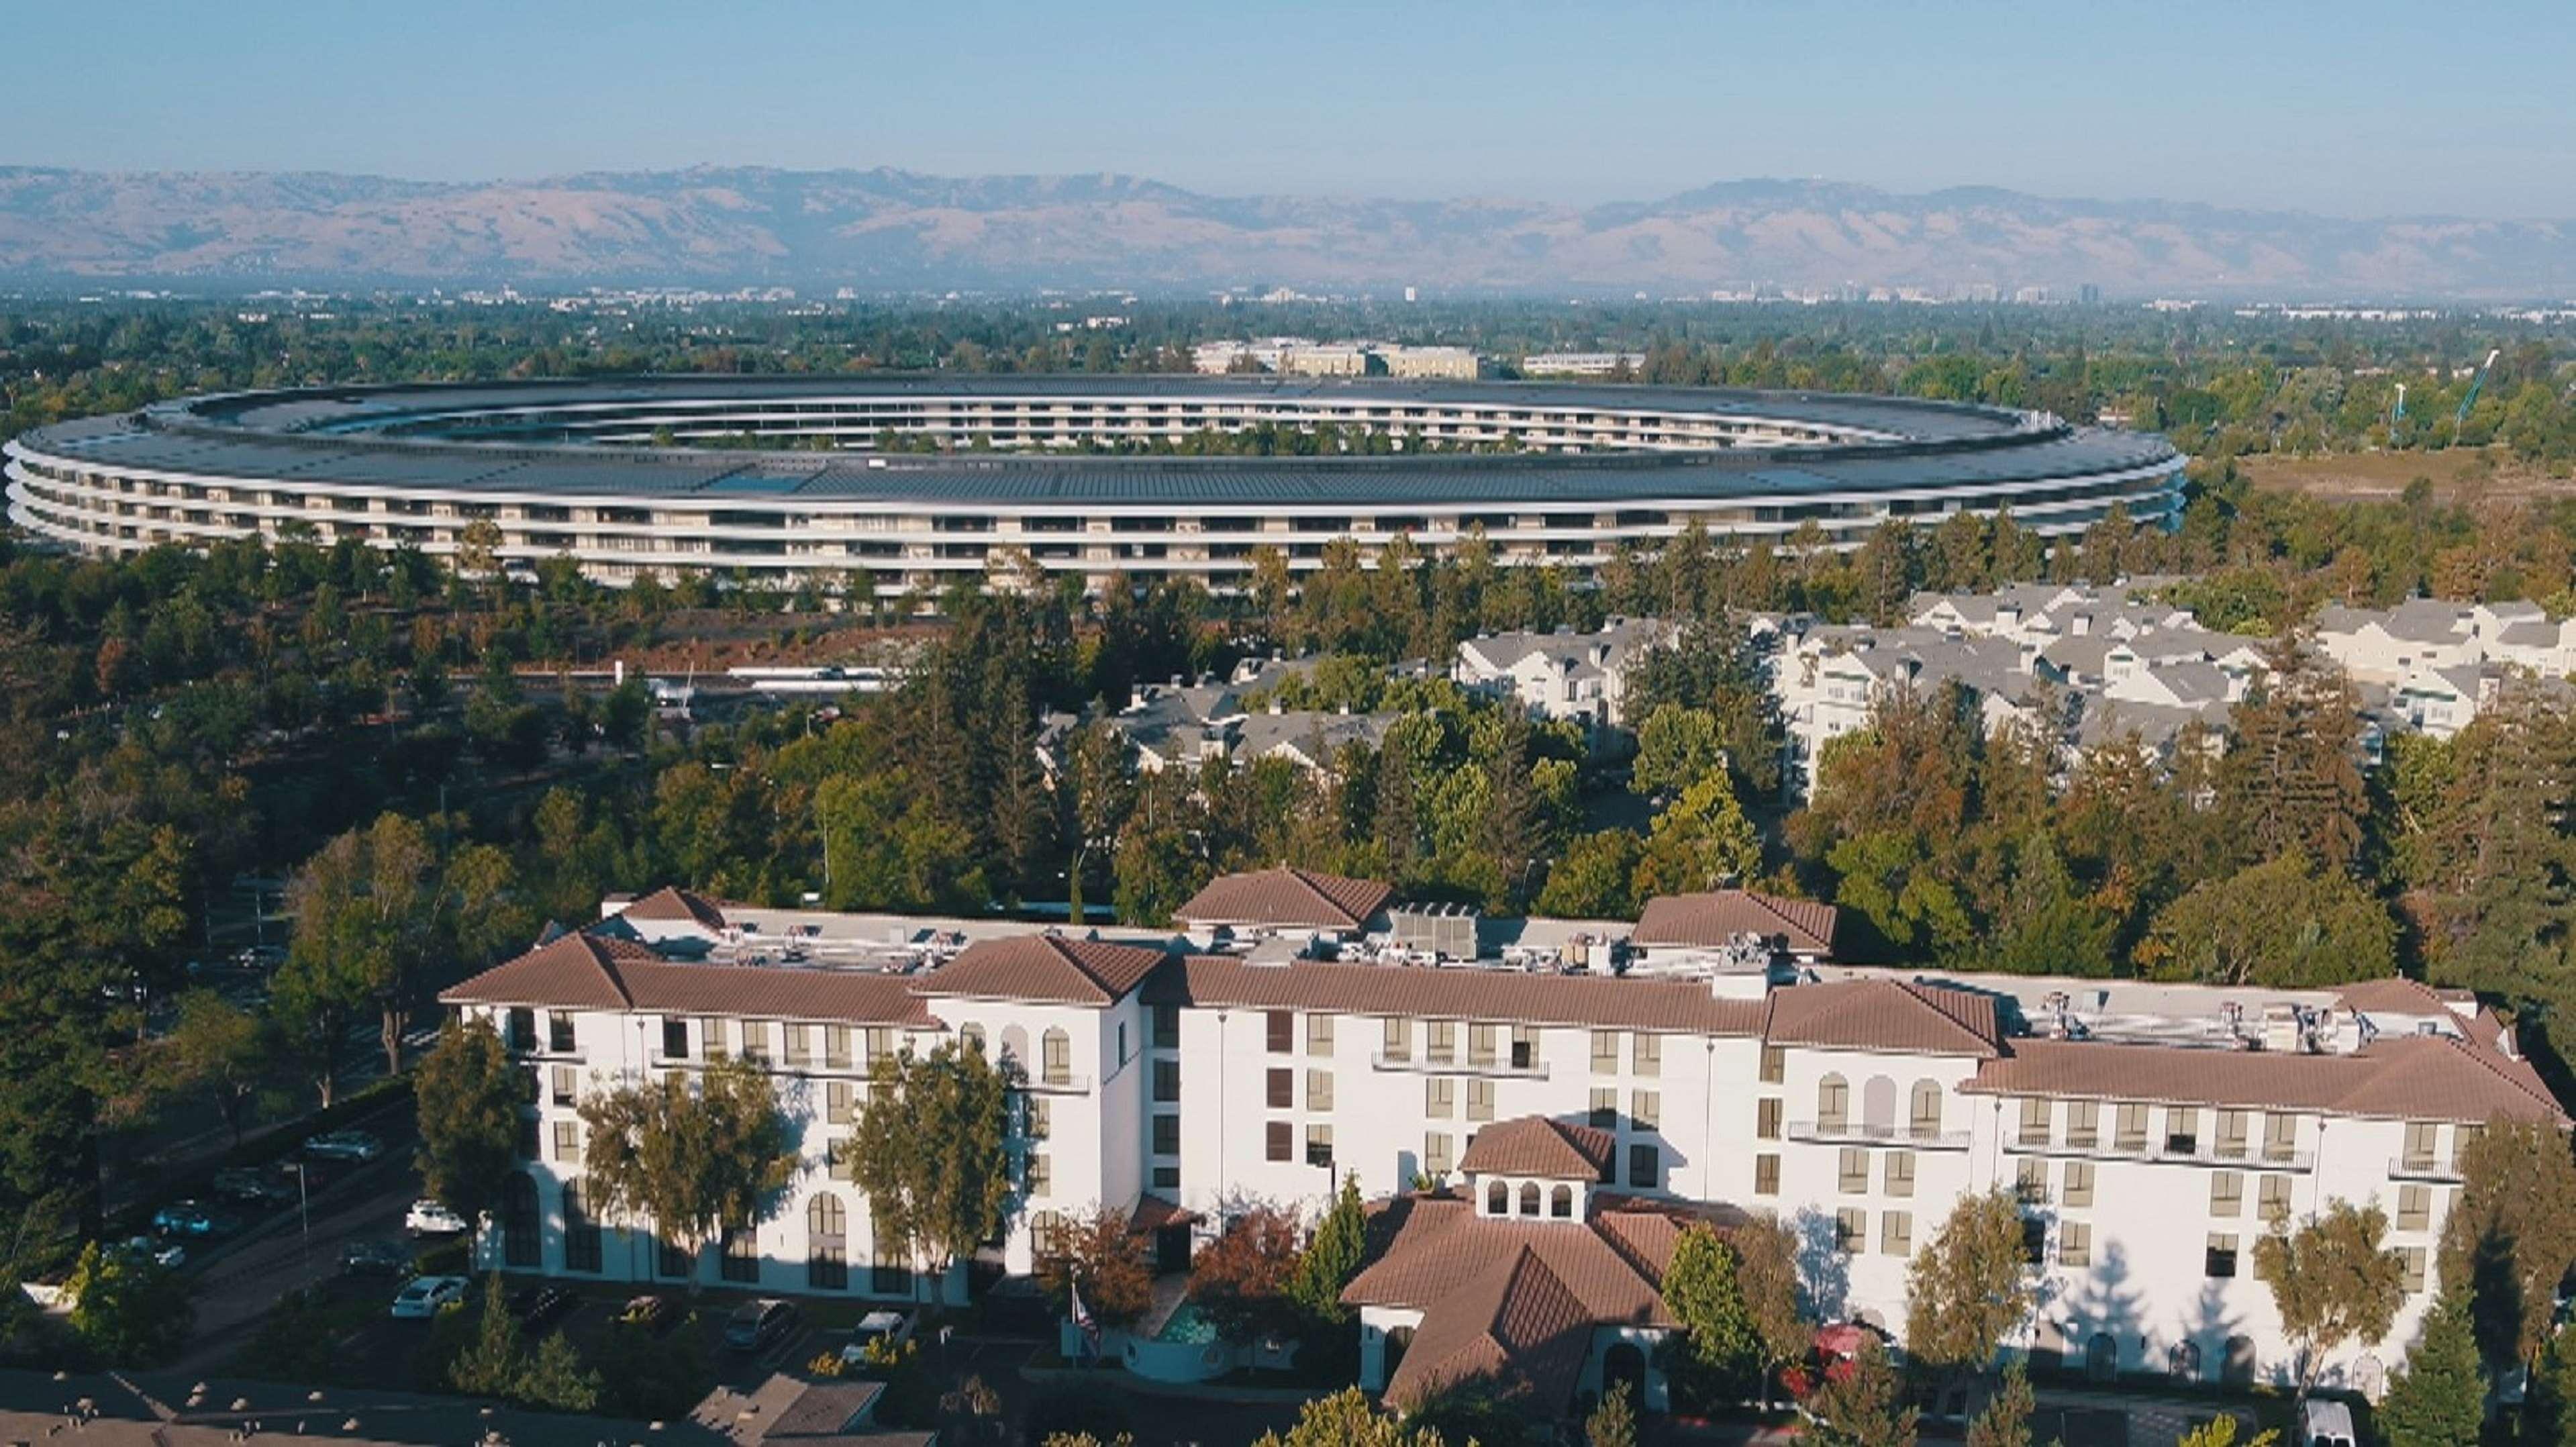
x: 2326, y: 1424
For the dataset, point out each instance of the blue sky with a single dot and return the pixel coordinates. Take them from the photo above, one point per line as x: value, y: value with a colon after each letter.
x: 2349, y: 109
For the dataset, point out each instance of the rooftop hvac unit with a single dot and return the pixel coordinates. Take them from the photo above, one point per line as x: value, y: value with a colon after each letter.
x: 1444, y: 930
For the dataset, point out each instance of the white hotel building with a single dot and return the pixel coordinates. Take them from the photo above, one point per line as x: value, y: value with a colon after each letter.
x: 2153, y: 1130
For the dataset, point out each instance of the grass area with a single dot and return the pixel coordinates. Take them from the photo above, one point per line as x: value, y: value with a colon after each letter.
x: 2458, y: 475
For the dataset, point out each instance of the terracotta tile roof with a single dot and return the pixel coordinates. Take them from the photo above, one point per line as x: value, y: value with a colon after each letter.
x: 2412, y: 1077
x: 2395, y: 995
x: 1896, y: 1015
x: 673, y: 902
x: 1285, y: 897
x: 1048, y: 968
x: 594, y: 972
x: 1533, y: 1145
x: 1513, y: 1323
x: 1673, y: 1006
x: 1719, y: 916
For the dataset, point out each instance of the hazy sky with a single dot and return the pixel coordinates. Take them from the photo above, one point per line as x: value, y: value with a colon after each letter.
x: 2352, y: 108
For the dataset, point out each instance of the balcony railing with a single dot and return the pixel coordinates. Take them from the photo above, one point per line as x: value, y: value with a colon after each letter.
x: 1056, y: 1084
x: 2235, y: 1155
x: 2424, y: 1168
x: 1856, y: 1133
x: 1498, y: 1068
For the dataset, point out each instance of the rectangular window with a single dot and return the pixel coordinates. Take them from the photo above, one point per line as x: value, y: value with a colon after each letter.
x: 670, y: 1260
x: 1854, y: 1177
x: 1167, y: 1135
x: 1282, y: 1093
x: 2462, y: 1138
x: 2414, y: 1257
x: 581, y: 1233
x: 1398, y: 1040
x: 1900, y: 1173
x: 2414, y: 1208
x: 1319, y: 1090
x: 1482, y: 1042
x: 1280, y: 1031
x: 568, y: 1141
x: 2037, y: 1118
x: 836, y: 1047
x: 2030, y: 1181
x: 2423, y: 1137
x: 1319, y: 1035
x: 839, y: 1097
x: 1039, y: 1119
x: 741, y: 1254
x: 1282, y: 1141
x: 2182, y: 1130
x: 1645, y: 1168
x: 1041, y: 1176
x: 1435, y: 1153
x: 1896, y: 1233
x: 1524, y: 1047
x: 2078, y: 1194
x: 840, y: 1160
x: 1167, y: 1081
x: 1167, y: 1027
x: 1766, y: 1175
x: 2280, y: 1136
x: 2218, y: 1260
x: 1055, y: 1056
x: 2273, y: 1199
x: 2034, y: 1240
x: 1646, y: 1054
x: 559, y: 1034
x: 567, y: 1084
x: 1440, y: 1039
x: 1480, y: 1100
x: 1851, y: 1230
x: 1646, y: 1107
x: 1775, y: 1064
x: 1766, y: 1119
x: 1439, y: 1097
x: 755, y: 1041
x: 1319, y: 1144
x: 1926, y: 1116
x: 1605, y: 1052
x: 2233, y: 1132
x: 1605, y: 1107
x: 2227, y: 1193
x: 800, y: 1046
x: 2083, y: 1124
x: 675, y: 1038
x: 519, y: 1028
x: 528, y: 1149
x: 2074, y: 1243
x: 711, y: 1038
x: 2130, y: 1130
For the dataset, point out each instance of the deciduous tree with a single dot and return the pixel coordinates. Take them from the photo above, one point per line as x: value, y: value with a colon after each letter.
x: 1720, y: 1351
x: 467, y: 1095
x: 928, y: 1150
x: 1966, y: 1292
x: 2332, y: 1281
x: 692, y: 1159
x: 1101, y: 1256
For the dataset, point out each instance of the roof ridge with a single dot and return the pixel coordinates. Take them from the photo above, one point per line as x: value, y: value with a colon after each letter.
x: 2491, y: 1066
x: 607, y: 967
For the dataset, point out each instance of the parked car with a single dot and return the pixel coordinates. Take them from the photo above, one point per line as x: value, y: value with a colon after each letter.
x: 890, y: 1328
x: 190, y: 1218
x: 431, y: 1218
x: 252, y: 1187
x: 655, y: 1314
x: 344, y: 1145
x: 2326, y: 1424
x: 538, y: 1304
x: 755, y: 1325
x: 423, y: 1295
x: 169, y: 1255
x: 375, y: 1258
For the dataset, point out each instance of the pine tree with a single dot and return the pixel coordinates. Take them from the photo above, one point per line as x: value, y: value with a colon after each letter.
x: 1614, y: 1422
x: 491, y: 1365
x: 2439, y: 1399
x: 2005, y: 1422
x: 556, y: 1379
x: 2291, y: 780
x: 1333, y: 1256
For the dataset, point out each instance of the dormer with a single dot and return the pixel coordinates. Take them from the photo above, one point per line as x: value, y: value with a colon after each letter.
x: 1535, y: 1169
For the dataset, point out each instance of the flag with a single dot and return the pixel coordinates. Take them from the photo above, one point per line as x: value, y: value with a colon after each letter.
x: 1083, y: 1321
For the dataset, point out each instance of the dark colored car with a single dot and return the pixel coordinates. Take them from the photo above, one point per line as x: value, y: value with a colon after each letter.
x: 375, y: 1258
x: 539, y: 1304
x: 755, y: 1325
x: 250, y: 1186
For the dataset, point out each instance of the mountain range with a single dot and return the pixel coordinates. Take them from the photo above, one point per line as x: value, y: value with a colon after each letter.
x: 899, y: 231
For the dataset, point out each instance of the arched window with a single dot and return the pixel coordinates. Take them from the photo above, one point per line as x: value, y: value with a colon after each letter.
x: 2183, y: 1362
x: 1833, y: 1105
x: 2102, y: 1357
x: 1560, y: 1203
x: 581, y: 1233
x: 1498, y: 1199
x: 1056, y: 1057
x: 2240, y: 1367
x: 972, y: 1037
x: 1878, y: 1106
x: 1529, y: 1198
x: 521, y: 1242
x: 1926, y: 1115
x: 827, y: 1247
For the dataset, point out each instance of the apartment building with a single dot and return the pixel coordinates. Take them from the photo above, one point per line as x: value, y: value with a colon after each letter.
x: 2153, y: 1132
x: 1561, y: 675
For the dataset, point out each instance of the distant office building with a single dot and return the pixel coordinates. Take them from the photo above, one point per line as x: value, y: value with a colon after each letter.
x: 1581, y: 364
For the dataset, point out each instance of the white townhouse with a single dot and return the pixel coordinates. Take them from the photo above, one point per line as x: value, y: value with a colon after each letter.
x: 2383, y: 645
x: 1562, y: 675
x: 1535, y: 1125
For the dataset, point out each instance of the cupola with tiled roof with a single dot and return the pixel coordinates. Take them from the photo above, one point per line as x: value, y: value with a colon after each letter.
x: 1535, y: 1168
x: 1286, y: 898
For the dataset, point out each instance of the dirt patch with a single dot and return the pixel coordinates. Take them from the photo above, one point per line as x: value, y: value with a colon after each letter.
x: 2457, y: 476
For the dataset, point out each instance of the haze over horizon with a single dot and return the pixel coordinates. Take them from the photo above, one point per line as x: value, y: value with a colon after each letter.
x: 2359, y: 111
